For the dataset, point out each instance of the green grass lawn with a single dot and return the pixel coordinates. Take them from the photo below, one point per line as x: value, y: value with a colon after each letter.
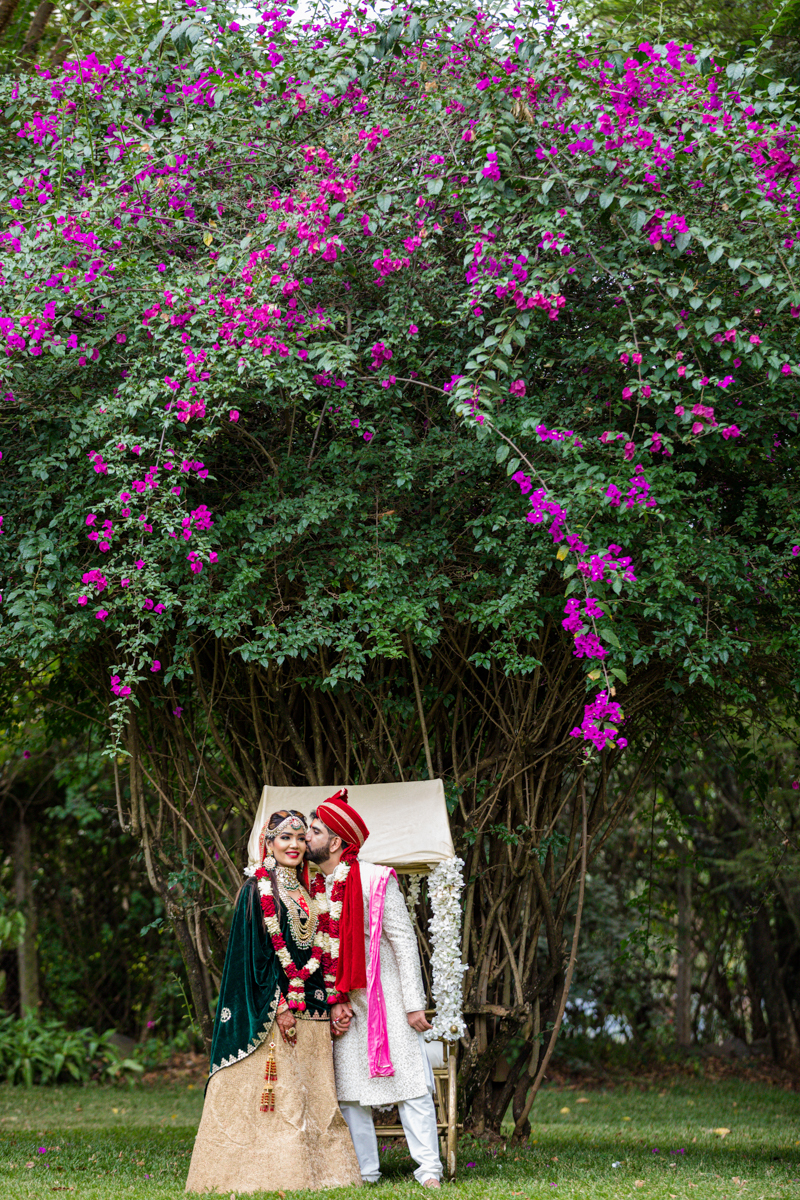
x: 135, y: 1142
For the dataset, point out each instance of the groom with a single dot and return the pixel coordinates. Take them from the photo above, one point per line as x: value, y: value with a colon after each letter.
x: 378, y: 1051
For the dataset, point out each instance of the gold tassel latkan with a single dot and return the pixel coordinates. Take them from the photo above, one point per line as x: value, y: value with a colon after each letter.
x: 270, y: 1079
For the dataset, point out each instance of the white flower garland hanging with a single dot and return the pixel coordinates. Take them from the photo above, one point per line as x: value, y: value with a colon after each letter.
x: 412, y: 899
x: 445, y: 884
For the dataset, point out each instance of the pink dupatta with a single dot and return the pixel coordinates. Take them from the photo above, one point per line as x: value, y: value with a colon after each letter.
x: 380, y: 1062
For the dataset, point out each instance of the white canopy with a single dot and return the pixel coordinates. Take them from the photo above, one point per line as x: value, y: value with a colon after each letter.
x: 408, y: 823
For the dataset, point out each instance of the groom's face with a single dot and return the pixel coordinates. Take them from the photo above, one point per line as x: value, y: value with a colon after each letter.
x: 318, y: 842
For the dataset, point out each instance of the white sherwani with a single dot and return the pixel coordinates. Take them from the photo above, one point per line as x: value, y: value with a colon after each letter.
x: 403, y: 992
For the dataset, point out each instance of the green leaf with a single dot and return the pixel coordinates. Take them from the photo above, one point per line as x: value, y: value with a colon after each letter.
x: 608, y: 635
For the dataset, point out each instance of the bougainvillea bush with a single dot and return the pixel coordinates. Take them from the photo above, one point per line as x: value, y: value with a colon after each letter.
x: 399, y: 395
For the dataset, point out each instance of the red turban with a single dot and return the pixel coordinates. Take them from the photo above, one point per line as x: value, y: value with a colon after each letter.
x: 343, y: 821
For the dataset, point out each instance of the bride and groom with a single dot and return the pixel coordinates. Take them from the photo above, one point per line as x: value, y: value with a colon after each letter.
x: 320, y: 1018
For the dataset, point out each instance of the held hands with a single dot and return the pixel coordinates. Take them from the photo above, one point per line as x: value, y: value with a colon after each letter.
x: 341, y: 1016
x: 287, y: 1023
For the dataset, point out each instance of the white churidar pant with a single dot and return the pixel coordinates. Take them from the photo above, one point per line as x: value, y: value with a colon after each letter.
x: 418, y: 1117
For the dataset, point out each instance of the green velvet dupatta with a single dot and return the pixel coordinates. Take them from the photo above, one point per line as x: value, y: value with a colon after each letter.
x: 253, y: 981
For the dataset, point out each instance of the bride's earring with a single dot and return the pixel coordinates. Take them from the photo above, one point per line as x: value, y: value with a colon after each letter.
x: 269, y: 863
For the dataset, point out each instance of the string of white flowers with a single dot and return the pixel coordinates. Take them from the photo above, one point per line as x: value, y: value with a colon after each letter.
x: 445, y: 884
x: 412, y: 897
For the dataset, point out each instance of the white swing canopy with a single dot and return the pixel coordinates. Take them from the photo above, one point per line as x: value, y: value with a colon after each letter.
x: 408, y: 824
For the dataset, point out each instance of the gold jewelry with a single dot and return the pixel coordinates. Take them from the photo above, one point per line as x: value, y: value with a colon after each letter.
x: 291, y: 1033
x: 287, y: 878
x: 289, y: 823
x: 270, y: 1079
x: 301, y: 909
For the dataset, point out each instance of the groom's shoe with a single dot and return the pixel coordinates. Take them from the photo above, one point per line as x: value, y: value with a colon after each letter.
x: 432, y: 1182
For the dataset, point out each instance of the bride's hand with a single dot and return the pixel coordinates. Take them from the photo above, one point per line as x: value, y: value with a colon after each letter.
x: 341, y: 1016
x: 287, y: 1023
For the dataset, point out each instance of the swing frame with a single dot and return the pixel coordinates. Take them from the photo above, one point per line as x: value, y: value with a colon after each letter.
x: 445, y: 1096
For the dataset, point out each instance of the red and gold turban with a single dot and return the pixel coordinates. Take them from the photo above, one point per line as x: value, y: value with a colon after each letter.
x: 343, y: 821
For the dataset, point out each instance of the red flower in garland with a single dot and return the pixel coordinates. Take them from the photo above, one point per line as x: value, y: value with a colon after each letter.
x: 331, y: 920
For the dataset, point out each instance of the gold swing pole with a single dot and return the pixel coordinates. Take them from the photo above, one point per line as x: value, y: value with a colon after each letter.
x: 452, y: 1111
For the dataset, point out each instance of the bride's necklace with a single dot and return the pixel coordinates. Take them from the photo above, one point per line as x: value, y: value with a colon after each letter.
x: 301, y: 910
x: 296, y: 975
x: 287, y: 878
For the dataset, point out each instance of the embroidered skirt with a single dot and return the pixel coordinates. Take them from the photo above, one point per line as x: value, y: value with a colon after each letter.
x: 304, y: 1143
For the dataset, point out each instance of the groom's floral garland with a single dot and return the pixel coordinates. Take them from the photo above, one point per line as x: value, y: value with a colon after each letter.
x: 329, y: 922
x: 297, y: 976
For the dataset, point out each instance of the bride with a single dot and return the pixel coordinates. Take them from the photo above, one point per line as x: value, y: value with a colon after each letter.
x: 270, y: 1118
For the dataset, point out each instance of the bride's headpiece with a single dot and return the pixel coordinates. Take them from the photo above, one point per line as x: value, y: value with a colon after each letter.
x: 260, y: 834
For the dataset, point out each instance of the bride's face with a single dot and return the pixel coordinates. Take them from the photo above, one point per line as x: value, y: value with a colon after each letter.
x: 289, y: 847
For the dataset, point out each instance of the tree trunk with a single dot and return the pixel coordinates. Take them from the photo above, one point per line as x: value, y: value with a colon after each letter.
x: 23, y: 895
x: 194, y: 971
x: 758, y: 1025
x: 683, y: 991
x: 36, y: 30
x: 180, y: 926
x: 724, y: 1002
x: 783, y: 1033
x: 7, y: 10
x: 82, y: 19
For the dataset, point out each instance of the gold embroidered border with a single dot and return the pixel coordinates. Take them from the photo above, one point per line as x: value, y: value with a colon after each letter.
x: 259, y: 1038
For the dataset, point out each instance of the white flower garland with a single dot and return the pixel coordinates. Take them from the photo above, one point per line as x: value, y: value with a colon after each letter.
x: 335, y: 908
x: 412, y: 899
x: 445, y: 884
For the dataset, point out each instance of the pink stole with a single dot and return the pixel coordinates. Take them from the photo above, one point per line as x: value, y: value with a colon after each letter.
x: 380, y: 1062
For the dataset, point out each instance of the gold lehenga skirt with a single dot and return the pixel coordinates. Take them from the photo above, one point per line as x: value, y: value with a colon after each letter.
x: 304, y: 1143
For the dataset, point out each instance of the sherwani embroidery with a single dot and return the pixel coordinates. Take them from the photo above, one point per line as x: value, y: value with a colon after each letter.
x: 402, y: 987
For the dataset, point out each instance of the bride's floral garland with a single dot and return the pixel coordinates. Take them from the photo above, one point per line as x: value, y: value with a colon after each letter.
x: 297, y: 976
x: 329, y: 921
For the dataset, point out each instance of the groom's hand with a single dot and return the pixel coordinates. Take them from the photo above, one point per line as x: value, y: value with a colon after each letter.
x: 341, y: 1016
x: 418, y: 1021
